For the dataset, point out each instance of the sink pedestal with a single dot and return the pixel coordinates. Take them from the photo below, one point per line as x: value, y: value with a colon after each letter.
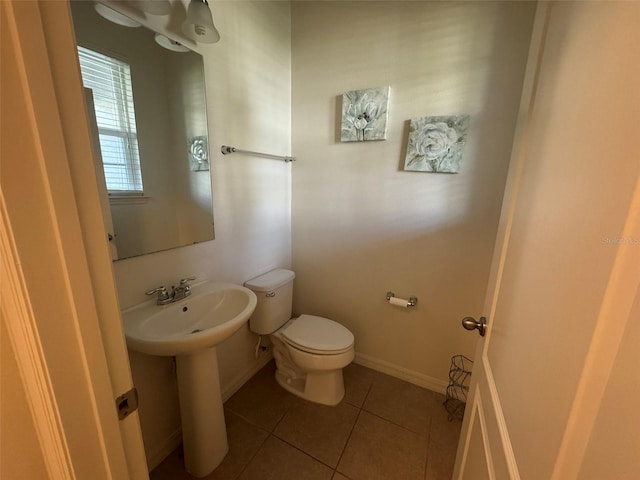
x: 204, y: 433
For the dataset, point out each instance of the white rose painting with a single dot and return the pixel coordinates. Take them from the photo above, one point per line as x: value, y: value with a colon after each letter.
x: 364, y: 115
x: 199, y: 154
x: 435, y: 144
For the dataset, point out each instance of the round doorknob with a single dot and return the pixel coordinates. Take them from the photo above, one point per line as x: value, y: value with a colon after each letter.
x: 471, y: 323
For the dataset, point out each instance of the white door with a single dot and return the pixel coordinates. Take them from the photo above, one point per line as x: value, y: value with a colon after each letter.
x: 67, y: 334
x: 59, y: 41
x: 566, y: 269
x: 99, y: 169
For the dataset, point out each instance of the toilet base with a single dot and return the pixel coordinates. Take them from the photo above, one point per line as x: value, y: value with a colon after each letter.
x: 326, y: 388
x: 316, y: 378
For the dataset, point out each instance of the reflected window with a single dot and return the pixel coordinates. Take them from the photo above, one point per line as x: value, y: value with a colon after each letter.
x: 110, y: 81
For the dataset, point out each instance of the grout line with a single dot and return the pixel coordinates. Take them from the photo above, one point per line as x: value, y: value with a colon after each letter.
x: 346, y: 444
x: 426, y: 453
x: 360, y: 408
x: 302, y: 451
x: 426, y: 435
x: 286, y: 412
x: 273, y: 430
x: 340, y: 473
x: 422, y: 435
x: 252, y: 457
x: 248, y: 420
x: 369, y: 390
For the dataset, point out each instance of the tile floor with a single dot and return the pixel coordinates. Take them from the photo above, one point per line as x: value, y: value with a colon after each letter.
x: 384, y: 429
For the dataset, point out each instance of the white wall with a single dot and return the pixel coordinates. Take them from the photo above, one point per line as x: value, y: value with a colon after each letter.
x: 187, y: 100
x: 248, y: 105
x: 360, y: 225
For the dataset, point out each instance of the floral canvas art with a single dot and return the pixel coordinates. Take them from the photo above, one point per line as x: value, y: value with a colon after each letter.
x: 199, y: 154
x: 435, y: 143
x: 364, y: 115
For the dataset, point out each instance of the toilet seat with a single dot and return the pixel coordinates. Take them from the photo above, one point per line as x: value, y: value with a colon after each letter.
x: 318, y: 335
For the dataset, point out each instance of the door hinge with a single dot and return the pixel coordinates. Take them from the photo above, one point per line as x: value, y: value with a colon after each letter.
x: 127, y: 403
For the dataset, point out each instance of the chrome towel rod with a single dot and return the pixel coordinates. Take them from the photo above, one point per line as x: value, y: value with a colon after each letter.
x: 226, y: 150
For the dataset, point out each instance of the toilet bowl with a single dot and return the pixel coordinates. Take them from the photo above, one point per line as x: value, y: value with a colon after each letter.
x: 310, y: 351
x: 308, y: 368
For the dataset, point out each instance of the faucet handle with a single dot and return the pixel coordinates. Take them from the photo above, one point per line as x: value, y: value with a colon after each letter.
x: 185, y: 281
x: 162, y: 292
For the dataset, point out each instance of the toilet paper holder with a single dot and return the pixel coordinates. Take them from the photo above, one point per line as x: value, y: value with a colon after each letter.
x: 410, y: 303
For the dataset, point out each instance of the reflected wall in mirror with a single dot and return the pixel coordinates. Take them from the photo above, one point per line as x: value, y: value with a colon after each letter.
x: 147, y: 108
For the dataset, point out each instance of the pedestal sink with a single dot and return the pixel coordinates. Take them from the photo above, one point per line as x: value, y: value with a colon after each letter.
x: 190, y: 329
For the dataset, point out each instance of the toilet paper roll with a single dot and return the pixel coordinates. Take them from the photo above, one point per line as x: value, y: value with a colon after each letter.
x: 399, y: 302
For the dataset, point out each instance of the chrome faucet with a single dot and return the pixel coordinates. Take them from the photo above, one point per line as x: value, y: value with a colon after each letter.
x: 183, y: 290
x: 163, y: 295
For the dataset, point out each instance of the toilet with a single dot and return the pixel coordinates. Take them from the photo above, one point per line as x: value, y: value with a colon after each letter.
x: 310, y: 351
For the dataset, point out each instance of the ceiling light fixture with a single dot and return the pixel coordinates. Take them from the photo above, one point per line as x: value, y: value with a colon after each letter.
x: 154, y: 7
x: 169, y: 44
x: 199, y: 23
x: 113, y: 16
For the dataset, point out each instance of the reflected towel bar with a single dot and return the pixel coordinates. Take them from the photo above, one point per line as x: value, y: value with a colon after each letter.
x: 227, y: 150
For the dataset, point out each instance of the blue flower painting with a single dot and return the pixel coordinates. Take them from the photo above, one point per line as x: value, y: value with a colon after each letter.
x: 364, y: 114
x: 435, y: 143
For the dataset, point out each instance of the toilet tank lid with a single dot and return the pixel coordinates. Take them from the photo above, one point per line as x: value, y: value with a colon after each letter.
x: 270, y: 280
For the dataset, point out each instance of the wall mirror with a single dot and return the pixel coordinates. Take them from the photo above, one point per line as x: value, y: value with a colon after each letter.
x: 146, y: 102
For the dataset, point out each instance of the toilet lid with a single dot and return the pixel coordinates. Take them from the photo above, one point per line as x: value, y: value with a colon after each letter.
x: 318, y: 334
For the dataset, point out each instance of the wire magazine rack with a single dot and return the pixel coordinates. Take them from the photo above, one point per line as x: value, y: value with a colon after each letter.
x: 458, y: 388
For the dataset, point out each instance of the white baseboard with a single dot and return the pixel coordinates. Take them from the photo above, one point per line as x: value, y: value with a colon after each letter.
x: 402, y: 373
x: 172, y: 442
x: 241, y: 379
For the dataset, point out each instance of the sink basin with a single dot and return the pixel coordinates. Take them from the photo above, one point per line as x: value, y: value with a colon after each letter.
x: 190, y: 329
x: 211, y: 314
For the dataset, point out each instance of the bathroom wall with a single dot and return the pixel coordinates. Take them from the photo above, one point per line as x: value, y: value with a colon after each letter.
x: 361, y: 225
x: 248, y: 90
x: 186, y: 89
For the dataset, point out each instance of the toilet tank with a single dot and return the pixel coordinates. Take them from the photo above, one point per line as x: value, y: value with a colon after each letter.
x: 274, y: 290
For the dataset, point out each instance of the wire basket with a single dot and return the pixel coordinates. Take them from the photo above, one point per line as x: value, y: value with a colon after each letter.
x: 458, y: 388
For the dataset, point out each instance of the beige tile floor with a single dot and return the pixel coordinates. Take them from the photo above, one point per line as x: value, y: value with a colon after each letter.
x: 384, y: 429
